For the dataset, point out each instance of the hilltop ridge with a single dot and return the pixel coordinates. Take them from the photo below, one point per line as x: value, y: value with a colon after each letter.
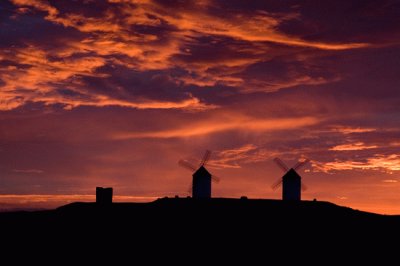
x: 187, y: 223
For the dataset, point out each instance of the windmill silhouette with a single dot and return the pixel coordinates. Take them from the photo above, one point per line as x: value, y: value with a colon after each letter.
x: 201, y: 183
x: 291, y: 181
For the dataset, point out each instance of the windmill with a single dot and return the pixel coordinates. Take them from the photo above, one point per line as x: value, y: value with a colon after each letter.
x: 291, y: 180
x: 201, y: 183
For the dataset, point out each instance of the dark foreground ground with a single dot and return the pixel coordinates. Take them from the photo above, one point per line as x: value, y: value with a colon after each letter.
x: 184, y: 230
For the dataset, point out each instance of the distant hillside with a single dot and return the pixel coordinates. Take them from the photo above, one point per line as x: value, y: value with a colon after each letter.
x: 188, y: 222
x: 257, y: 211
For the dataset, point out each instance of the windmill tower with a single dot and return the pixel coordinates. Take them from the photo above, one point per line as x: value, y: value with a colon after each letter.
x: 291, y: 180
x: 201, y: 183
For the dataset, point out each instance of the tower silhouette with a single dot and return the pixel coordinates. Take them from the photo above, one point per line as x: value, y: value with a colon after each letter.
x: 201, y: 187
x: 291, y: 186
x: 104, y: 195
x: 201, y: 182
x: 291, y: 181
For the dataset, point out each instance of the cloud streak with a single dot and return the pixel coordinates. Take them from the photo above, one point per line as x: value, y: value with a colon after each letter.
x: 207, y: 127
x: 379, y: 162
x: 358, y: 146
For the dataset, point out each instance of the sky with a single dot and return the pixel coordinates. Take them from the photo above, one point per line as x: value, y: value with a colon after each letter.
x: 116, y: 92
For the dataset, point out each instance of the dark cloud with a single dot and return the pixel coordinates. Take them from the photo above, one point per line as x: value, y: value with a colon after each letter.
x: 268, y: 6
x: 88, y: 9
x: 23, y: 30
x: 356, y: 21
x: 216, y: 49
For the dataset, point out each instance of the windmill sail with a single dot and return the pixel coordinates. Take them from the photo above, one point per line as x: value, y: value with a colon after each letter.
x: 291, y: 181
x: 202, y: 178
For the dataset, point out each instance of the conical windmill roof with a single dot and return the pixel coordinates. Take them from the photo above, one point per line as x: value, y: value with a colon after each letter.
x: 202, y: 171
x: 291, y: 174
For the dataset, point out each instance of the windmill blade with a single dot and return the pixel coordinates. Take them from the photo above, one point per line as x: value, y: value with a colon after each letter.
x: 300, y: 164
x: 206, y: 157
x: 303, y: 187
x: 187, y: 165
x: 215, y: 179
x: 277, y: 184
x: 281, y: 164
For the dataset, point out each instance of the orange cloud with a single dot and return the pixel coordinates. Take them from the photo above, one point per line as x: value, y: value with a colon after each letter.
x: 37, y: 82
x: 257, y: 85
x: 190, y: 22
x: 358, y: 146
x: 250, y: 153
x: 248, y: 29
x: 37, y: 79
x: 351, y: 130
x: 38, y: 4
x: 192, y: 103
x: 394, y: 144
x: 112, y: 34
x: 380, y: 162
x: 220, y: 124
x: 390, y: 181
x: 229, y: 158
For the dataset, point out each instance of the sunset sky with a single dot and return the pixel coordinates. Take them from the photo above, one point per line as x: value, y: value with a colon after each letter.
x: 115, y: 93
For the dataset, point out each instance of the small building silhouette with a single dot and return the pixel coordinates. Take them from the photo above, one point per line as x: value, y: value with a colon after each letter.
x: 104, y: 195
x: 291, y: 185
x: 201, y: 183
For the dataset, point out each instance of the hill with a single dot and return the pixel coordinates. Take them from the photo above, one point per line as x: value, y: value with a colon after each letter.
x: 175, y: 224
